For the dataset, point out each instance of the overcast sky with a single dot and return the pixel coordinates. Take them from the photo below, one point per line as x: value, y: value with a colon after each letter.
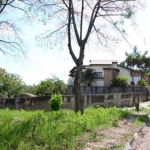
x: 41, y: 64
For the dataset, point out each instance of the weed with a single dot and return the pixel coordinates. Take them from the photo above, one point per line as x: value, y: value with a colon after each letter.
x: 126, y: 136
x: 117, y: 146
x: 140, y: 119
x: 53, y: 130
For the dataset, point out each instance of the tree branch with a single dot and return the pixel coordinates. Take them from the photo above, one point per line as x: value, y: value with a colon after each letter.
x: 4, y: 5
x: 74, y: 22
x: 92, y: 20
x: 81, y: 23
x: 69, y: 34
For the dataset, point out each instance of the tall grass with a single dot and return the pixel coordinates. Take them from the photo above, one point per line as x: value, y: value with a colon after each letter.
x: 56, y: 130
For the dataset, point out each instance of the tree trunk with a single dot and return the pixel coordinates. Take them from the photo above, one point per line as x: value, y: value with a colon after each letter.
x: 137, y: 104
x: 133, y: 89
x: 77, y: 92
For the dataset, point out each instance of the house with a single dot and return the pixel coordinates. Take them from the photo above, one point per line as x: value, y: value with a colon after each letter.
x: 106, y: 70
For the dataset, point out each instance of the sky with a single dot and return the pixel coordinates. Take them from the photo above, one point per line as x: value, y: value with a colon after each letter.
x: 43, y: 63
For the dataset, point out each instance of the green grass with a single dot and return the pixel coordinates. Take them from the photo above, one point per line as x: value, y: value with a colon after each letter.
x: 46, y: 130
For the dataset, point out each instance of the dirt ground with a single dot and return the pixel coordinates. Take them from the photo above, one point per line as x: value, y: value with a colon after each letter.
x: 114, y: 138
x: 118, y: 136
x: 143, y: 141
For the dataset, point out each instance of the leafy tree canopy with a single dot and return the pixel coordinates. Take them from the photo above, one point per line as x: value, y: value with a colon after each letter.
x: 31, y: 89
x: 137, y: 60
x: 120, y: 81
x: 51, y: 86
x: 89, y: 76
x: 11, y: 84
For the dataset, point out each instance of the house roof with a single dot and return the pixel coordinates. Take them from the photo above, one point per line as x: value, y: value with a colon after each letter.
x: 129, y: 68
x: 74, y: 68
x: 102, y: 62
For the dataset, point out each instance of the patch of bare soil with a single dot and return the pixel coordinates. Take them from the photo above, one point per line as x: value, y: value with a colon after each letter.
x: 143, y: 141
x: 114, y: 138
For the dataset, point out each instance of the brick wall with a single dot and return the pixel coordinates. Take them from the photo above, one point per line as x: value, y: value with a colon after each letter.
x: 109, y: 74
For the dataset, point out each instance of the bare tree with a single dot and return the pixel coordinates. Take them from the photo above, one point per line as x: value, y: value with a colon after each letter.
x: 84, y: 21
x: 11, y: 13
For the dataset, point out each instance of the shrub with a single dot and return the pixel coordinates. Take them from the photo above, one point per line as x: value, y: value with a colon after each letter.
x: 56, y: 102
x: 120, y: 81
x: 141, y: 83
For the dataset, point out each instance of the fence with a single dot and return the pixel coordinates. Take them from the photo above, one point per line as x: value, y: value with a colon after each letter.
x: 104, y: 90
x: 104, y: 100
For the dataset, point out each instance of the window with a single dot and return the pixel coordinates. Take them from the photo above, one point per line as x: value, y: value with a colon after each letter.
x: 98, y: 75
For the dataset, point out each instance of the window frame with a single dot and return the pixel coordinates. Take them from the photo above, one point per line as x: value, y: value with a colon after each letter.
x: 99, y: 75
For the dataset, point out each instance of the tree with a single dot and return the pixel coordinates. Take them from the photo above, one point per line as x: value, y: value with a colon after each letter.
x: 59, y: 86
x: 79, y: 20
x: 138, y: 61
x: 45, y: 87
x: 141, y: 83
x: 89, y: 76
x: 11, y: 84
x: 141, y: 62
x: 51, y: 86
x: 120, y: 81
x: 11, y: 12
x: 31, y: 89
x: 2, y: 71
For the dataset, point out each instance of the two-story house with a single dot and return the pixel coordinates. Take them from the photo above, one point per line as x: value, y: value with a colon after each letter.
x: 106, y: 70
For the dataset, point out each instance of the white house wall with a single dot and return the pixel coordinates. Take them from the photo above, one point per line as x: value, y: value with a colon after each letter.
x: 99, y: 68
x: 99, y: 82
x: 124, y: 72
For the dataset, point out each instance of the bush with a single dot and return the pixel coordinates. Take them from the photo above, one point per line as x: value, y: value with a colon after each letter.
x: 55, y: 102
x: 120, y: 81
x: 141, y: 83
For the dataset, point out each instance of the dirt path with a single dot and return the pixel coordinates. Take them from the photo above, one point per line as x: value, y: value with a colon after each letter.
x: 143, y: 140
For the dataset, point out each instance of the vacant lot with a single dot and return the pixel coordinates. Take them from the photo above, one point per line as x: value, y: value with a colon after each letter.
x: 46, y: 130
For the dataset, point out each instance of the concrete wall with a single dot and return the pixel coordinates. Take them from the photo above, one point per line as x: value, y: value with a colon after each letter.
x: 103, y: 90
x: 41, y: 103
x: 27, y: 103
x: 104, y: 100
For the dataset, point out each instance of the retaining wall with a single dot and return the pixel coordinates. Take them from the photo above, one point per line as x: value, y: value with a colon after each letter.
x: 104, y: 100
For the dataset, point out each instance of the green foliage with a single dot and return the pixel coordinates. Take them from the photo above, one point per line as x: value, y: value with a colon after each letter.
x: 56, y: 102
x: 51, y: 86
x: 89, y: 76
x: 11, y: 84
x: 45, y: 87
x: 142, y: 118
x: 141, y: 83
x: 59, y: 85
x: 52, y: 129
x: 31, y: 89
x: 137, y: 60
x: 120, y: 81
x: 129, y: 14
